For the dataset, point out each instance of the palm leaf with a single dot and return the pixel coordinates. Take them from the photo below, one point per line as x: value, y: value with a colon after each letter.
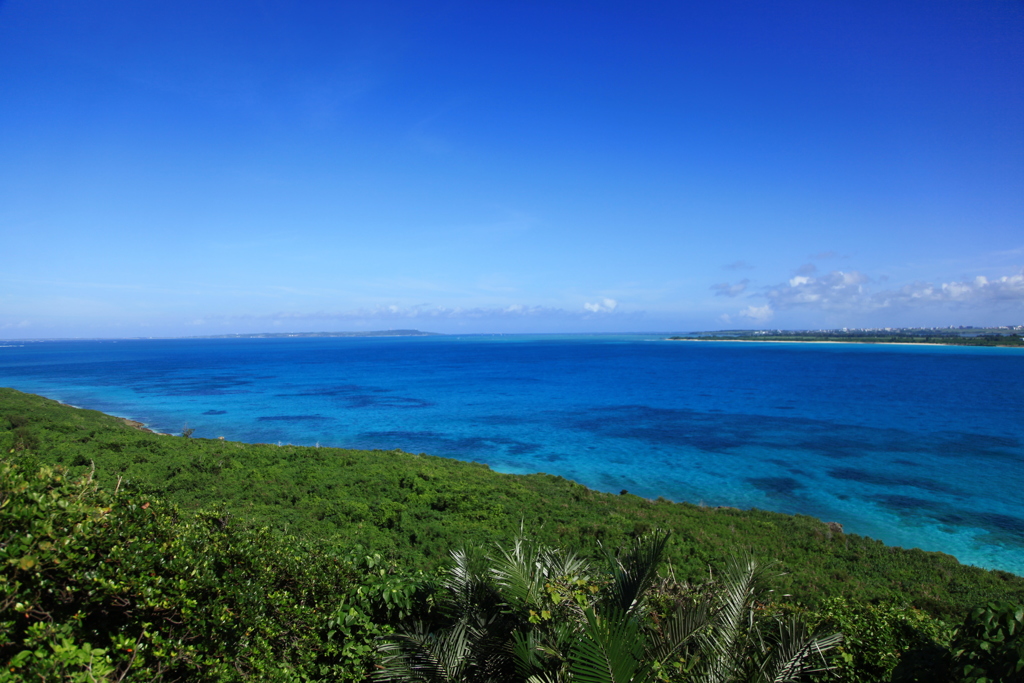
x: 534, y: 660
x: 462, y: 584
x: 432, y: 657
x: 635, y: 572
x: 520, y: 572
x: 610, y: 650
x: 795, y: 653
x: 726, y: 645
x: 681, y: 627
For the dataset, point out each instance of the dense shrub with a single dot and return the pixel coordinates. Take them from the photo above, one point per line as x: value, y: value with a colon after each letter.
x: 884, y: 642
x: 98, y: 586
x: 122, y: 587
x: 989, y: 647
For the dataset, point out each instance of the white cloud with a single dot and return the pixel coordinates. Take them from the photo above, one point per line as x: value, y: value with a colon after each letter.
x: 604, y: 306
x: 851, y: 292
x: 1006, y: 289
x: 761, y: 314
x: 838, y: 289
x: 430, y: 312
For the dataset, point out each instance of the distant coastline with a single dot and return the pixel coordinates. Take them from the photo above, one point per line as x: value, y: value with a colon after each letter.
x: 845, y: 341
x: 986, y: 337
x: 250, y: 335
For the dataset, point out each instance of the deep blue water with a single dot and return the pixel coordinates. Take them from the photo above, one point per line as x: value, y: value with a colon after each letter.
x: 917, y: 446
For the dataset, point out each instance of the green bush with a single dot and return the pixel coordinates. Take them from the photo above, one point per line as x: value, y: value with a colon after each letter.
x: 122, y: 587
x: 989, y: 647
x: 109, y: 587
x: 884, y: 642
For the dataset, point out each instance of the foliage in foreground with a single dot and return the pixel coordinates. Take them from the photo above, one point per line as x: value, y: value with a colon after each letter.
x: 990, y: 645
x: 412, y: 509
x: 546, y: 616
x: 97, y: 587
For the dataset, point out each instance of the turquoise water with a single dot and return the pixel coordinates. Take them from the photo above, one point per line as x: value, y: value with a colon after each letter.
x: 918, y: 446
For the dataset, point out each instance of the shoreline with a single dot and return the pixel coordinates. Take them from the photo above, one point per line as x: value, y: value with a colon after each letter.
x: 834, y: 341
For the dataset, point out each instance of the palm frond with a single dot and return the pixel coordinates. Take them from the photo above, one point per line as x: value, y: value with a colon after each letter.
x: 732, y: 636
x: 795, y: 653
x: 635, y: 571
x: 461, y: 583
x: 430, y: 657
x: 541, y: 654
x: 532, y: 658
x: 674, y: 633
x: 610, y: 650
x: 564, y: 564
x: 520, y: 571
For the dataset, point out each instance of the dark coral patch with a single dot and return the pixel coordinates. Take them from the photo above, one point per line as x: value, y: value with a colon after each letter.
x: 1001, y: 528
x: 781, y: 486
x: 881, y: 479
x: 441, y: 444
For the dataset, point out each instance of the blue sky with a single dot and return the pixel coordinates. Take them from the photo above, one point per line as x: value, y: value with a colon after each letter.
x: 190, y: 168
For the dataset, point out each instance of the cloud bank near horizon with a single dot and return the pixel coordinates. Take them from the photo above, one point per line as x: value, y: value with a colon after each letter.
x: 478, y: 318
x: 603, y: 316
x: 854, y: 294
x: 807, y: 299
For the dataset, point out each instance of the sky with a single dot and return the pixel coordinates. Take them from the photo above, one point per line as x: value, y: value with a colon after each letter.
x: 197, y: 168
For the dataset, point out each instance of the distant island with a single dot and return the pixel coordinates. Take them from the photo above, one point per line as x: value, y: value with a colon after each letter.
x: 955, y: 336
x: 275, y: 335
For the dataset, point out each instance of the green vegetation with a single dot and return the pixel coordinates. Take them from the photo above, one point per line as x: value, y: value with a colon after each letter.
x: 129, y: 555
x: 98, y: 586
x: 415, y: 508
x: 990, y: 644
x: 954, y: 337
x: 547, y: 615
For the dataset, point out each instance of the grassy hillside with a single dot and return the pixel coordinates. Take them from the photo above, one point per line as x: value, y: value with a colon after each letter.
x: 415, y: 508
x: 98, y: 587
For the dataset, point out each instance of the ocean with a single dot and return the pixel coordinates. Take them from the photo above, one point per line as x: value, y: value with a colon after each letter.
x: 918, y: 446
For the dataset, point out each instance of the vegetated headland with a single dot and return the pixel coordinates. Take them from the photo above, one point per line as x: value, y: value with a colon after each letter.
x: 952, y: 336
x: 415, y: 507
x: 134, y: 556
